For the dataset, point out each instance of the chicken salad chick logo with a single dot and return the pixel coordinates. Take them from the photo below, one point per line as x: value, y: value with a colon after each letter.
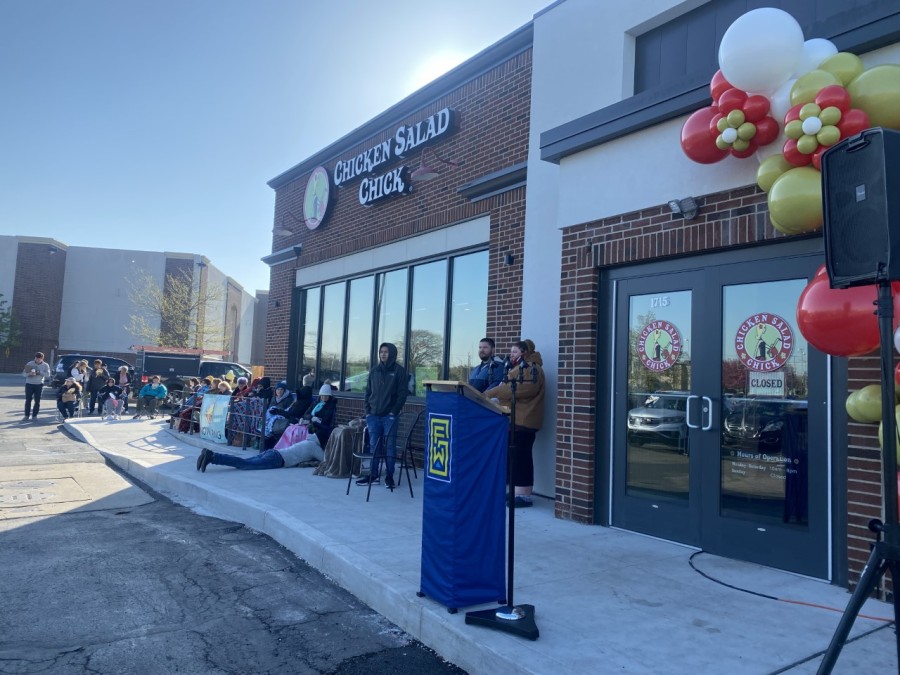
x: 764, y: 342
x: 659, y: 345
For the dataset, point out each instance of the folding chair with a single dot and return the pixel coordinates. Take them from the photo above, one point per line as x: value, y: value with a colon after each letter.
x: 365, y: 454
x: 413, y: 441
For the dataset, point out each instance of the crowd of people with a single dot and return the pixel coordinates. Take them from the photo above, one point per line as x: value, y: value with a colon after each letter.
x: 277, y: 408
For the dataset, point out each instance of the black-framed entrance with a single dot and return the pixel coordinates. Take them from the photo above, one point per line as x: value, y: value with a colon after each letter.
x: 718, y: 408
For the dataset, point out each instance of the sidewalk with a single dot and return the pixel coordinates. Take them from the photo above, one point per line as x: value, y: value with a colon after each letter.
x: 607, y: 601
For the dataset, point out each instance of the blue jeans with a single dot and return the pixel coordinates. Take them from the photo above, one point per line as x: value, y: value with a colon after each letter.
x: 270, y: 459
x: 33, y: 394
x: 379, y: 427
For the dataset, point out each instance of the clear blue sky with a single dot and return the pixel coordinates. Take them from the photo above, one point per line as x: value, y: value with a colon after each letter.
x: 155, y: 124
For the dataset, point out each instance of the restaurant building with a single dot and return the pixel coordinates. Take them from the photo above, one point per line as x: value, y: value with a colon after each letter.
x: 407, y: 230
x: 640, y: 275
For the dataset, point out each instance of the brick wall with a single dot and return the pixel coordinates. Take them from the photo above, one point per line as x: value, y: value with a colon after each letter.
x: 493, y: 115
x: 728, y: 219
x: 36, y: 303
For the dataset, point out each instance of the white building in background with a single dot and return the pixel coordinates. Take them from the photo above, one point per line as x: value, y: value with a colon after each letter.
x: 75, y: 299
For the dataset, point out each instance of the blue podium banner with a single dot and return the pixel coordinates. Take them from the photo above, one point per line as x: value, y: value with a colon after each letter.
x: 464, y: 513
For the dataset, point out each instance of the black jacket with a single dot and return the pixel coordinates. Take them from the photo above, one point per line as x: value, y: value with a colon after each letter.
x: 322, y: 429
x: 387, y: 387
x: 107, y: 390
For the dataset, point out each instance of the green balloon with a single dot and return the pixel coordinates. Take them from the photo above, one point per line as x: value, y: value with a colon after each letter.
x: 807, y: 144
x: 746, y: 131
x: 740, y: 144
x: 770, y: 169
x: 877, y: 93
x: 843, y: 65
x: 721, y: 143
x: 736, y: 118
x: 831, y: 115
x: 828, y: 136
x: 795, y: 201
x: 722, y: 125
x: 809, y: 110
x: 807, y: 86
x: 793, y: 129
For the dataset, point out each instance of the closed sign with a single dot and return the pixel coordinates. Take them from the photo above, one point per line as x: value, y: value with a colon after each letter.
x: 765, y: 384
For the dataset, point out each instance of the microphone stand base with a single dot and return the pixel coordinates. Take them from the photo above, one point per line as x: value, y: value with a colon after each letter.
x: 518, y: 620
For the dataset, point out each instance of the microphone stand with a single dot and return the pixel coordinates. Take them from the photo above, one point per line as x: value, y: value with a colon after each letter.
x: 511, y: 618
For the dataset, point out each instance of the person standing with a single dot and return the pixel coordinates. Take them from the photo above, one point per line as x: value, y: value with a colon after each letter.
x: 488, y: 373
x: 35, y: 372
x: 386, y: 393
x: 123, y: 379
x: 99, y: 376
x: 529, y: 413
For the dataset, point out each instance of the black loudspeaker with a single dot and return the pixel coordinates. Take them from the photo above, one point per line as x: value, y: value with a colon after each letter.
x: 861, y: 206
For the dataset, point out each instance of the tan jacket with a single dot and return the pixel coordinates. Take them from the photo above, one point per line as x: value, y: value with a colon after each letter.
x: 529, y: 395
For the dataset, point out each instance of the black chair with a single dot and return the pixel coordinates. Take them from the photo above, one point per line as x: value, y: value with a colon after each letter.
x: 366, y: 454
x: 413, y: 442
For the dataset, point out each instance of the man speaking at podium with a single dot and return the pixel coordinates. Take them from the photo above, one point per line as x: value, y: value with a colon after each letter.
x: 488, y: 373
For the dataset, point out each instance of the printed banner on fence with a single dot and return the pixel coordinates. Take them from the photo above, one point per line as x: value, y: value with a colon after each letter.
x: 212, y: 418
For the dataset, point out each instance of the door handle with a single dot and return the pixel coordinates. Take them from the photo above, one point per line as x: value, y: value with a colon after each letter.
x: 687, y: 412
x: 708, y: 410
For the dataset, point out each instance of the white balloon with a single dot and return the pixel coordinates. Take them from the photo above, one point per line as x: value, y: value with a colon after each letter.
x: 729, y: 135
x: 814, y: 52
x: 780, y: 102
x: 897, y: 340
x: 761, y: 49
x: 811, y: 126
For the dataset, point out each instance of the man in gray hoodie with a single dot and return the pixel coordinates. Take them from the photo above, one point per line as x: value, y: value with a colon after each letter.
x: 36, y: 372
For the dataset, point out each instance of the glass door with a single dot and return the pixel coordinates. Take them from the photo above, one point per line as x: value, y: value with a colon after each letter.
x: 718, y: 400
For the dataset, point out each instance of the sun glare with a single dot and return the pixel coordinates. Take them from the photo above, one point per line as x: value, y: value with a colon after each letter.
x: 434, y: 66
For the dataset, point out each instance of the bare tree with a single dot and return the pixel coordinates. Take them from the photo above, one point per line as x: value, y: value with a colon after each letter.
x: 9, y: 328
x: 175, y: 314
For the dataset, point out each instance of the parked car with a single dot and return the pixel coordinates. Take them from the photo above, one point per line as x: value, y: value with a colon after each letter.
x: 661, y: 419
x: 759, y: 424
x: 65, y: 362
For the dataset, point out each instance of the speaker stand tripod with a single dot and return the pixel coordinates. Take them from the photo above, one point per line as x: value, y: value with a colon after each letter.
x: 511, y: 618
x: 885, y: 552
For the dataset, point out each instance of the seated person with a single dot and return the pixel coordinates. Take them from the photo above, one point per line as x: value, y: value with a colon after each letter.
x: 111, y: 398
x: 149, y: 397
x: 241, y: 389
x: 263, y: 389
x: 276, y: 415
x: 67, y: 396
x: 321, y: 423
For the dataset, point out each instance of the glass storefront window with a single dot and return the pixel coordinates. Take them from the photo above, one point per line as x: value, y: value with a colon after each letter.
x: 390, y: 301
x: 359, y: 334
x: 344, y: 322
x: 426, y: 347
x: 311, y: 331
x: 468, y: 313
x: 332, y: 353
x: 765, y: 384
x: 659, y: 382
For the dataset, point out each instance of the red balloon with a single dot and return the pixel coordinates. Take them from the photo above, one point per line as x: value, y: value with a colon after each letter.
x: 731, y: 99
x: 852, y: 122
x: 793, y: 113
x: 833, y: 95
x: 744, y: 154
x: 817, y: 157
x: 755, y: 108
x: 713, y: 125
x: 766, y: 131
x: 695, y: 138
x: 839, y: 322
x: 897, y: 374
x: 718, y: 85
x: 793, y: 155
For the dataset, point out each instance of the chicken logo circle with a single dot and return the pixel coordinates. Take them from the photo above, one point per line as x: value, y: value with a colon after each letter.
x: 659, y: 345
x: 764, y: 342
x: 316, y: 198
